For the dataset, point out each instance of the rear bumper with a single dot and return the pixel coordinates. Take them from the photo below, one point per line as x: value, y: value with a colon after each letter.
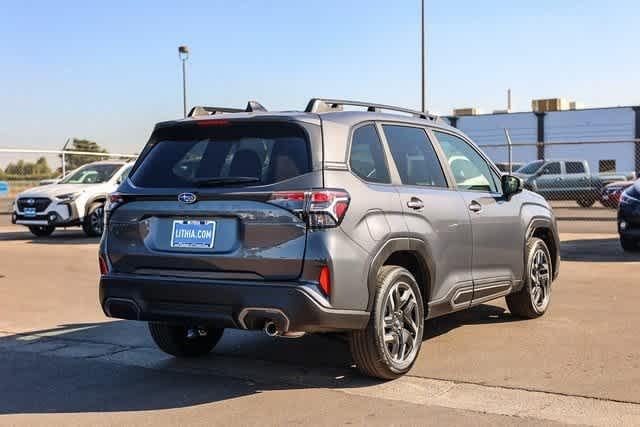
x: 232, y: 304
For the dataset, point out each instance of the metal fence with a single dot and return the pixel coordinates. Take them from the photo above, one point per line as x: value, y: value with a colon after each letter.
x: 581, y: 179
x: 21, y: 169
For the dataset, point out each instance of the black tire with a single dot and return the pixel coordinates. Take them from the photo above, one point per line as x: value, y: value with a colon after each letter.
x: 173, y: 340
x: 629, y: 245
x: 586, y: 202
x: 368, y: 347
x: 521, y: 303
x: 93, y: 223
x: 41, y: 230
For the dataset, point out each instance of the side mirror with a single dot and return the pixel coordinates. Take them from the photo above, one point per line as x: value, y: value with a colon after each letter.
x: 511, y: 185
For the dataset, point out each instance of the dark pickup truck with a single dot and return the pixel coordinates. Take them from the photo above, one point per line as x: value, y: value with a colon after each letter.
x: 567, y: 180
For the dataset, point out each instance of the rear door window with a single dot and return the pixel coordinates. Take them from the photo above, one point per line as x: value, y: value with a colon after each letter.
x: 575, y: 167
x: 367, y: 158
x: 414, y: 156
x: 234, y: 154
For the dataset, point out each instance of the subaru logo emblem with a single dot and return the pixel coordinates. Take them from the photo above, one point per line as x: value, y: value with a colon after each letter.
x: 30, y: 201
x: 187, y: 198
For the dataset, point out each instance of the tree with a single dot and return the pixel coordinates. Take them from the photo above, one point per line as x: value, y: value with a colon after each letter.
x: 74, y: 161
x: 39, y: 169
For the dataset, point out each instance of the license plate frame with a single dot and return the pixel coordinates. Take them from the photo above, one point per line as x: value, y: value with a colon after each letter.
x: 185, y: 234
x: 30, y: 212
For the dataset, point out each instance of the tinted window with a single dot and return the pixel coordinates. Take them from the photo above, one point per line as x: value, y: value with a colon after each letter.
x: 260, y: 153
x: 95, y: 173
x: 367, y: 157
x: 414, y: 156
x: 469, y: 168
x: 574, y: 167
x: 551, y: 169
x: 530, y: 168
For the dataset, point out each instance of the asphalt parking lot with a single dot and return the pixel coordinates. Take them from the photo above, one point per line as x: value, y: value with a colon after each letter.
x: 64, y: 362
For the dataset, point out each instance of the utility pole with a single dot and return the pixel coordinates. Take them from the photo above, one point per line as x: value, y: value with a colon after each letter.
x: 423, y: 70
x: 183, y: 53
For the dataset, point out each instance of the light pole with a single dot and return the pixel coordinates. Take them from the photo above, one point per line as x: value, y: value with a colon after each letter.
x: 423, y: 71
x: 183, y: 53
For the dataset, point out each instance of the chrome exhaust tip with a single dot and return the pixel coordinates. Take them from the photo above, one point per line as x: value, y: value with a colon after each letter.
x: 271, y: 329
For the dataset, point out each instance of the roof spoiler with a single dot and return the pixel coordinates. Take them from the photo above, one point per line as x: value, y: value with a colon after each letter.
x: 320, y: 105
x: 252, y: 106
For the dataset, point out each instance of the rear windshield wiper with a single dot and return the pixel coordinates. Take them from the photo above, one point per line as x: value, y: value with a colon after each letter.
x: 224, y: 180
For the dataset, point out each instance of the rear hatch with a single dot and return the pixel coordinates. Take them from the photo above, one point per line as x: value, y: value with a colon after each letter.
x: 199, y: 202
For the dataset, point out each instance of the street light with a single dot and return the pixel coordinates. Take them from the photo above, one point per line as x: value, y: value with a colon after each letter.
x: 183, y: 53
x: 423, y: 71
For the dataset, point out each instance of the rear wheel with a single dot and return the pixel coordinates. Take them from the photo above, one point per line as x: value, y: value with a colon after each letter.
x: 629, y: 245
x: 390, y: 344
x: 533, y: 299
x: 586, y: 202
x: 93, y: 223
x: 182, y: 341
x: 41, y: 230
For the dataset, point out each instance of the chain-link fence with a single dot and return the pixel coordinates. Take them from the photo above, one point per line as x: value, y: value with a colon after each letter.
x: 23, y: 169
x: 581, y: 179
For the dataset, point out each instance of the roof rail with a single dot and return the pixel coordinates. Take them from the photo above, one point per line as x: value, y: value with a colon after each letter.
x: 199, y: 110
x: 320, y: 105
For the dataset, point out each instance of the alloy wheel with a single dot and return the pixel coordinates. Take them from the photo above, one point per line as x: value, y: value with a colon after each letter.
x: 540, y: 277
x: 401, y: 323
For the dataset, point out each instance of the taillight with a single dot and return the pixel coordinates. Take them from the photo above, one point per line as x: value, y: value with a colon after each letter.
x: 319, y: 208
x: 113, y: 201
x: 325, y: 280
x: 104, y: 267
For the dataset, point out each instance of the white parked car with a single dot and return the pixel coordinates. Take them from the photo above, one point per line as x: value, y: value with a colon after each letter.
x: 77, y: 199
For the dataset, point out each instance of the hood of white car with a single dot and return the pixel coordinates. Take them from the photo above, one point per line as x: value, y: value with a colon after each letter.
x: 53, y: 190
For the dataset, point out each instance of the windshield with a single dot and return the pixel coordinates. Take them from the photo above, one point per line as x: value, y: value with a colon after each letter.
x: 530, y: 168
x: 92, y: 174
x: 234, y: 154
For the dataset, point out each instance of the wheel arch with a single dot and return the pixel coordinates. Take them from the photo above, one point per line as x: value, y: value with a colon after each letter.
x: 545, y: 229
x: 98, y: 198
x: 412, y: 254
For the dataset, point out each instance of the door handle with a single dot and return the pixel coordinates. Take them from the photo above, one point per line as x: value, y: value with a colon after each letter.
x: 415, y: 203
x: 475, y: 206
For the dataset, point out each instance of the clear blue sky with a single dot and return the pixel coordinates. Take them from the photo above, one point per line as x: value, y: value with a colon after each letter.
x: 108, y: 71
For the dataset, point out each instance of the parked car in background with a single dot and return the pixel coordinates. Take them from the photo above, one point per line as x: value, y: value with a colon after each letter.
x: 629, y: 218
x: 504, y: 166
x: 360, y: 222
x: 611, y: 193
x: 50, y: 181
x: 77, y: 199
x: 567, y: 180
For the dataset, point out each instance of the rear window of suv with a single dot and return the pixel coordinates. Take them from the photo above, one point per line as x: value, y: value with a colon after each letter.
x: 239, y: 154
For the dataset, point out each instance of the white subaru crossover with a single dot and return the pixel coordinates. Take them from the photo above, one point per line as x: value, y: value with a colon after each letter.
x: 77, y: 199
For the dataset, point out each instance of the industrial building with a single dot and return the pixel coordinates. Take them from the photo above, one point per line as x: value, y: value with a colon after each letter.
x: 608, y: 138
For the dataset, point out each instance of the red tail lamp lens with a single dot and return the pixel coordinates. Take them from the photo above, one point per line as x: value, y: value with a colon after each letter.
x: 325, y: 280
x: 104, y: 267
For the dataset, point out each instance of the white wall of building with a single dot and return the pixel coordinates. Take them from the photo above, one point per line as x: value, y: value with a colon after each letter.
x: 606, y: 124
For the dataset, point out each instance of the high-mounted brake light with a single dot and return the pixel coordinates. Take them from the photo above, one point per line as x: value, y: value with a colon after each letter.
x: 212, y: 122
x: 319, y: 208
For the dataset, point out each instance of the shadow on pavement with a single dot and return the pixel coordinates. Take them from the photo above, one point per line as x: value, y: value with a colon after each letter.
x: 596, y: 250
x: 60, y: 237
x: 71, y: 368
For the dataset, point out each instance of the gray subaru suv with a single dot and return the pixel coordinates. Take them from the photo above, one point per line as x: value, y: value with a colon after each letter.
x: 325, y: 220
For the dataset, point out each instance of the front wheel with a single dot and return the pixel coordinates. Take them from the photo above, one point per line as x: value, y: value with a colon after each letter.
x: 390, y: 344
x: 93, y: 223
x: 533, y: 299
x: 41, y: 230
x: 182, y: 341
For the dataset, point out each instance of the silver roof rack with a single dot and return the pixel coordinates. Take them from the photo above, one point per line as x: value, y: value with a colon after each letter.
x: 252, y: 106
x: 320, y: 105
